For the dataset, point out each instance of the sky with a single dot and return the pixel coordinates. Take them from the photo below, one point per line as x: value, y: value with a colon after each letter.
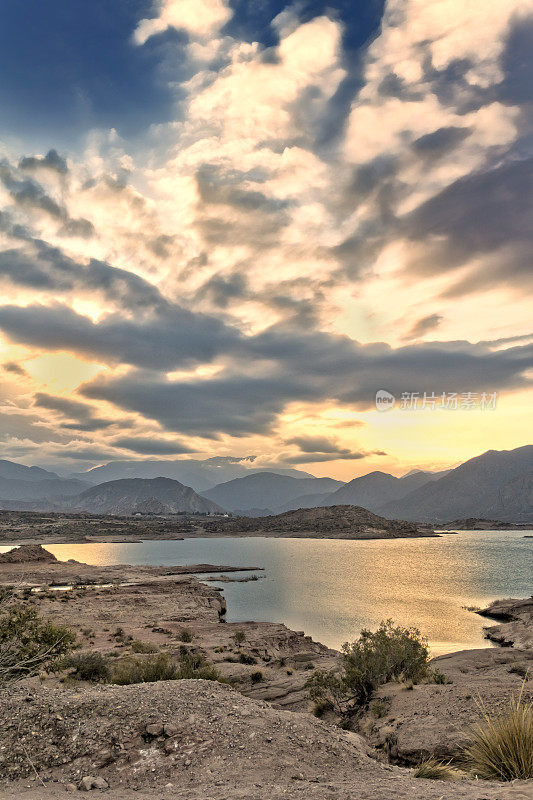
x: 225, y: 225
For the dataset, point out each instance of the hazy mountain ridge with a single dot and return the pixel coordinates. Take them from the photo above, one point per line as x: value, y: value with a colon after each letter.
x: 199, y: 474
x: 266, y: 490
x: 18, y: 482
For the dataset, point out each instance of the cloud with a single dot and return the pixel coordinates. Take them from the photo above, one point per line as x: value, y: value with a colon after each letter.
x: 319, y: 449
x: 151, y: 446
x: 199, y: 18
x: 52, y: 161
x: 423, y: 325
x: 14, y: 368
x: 174, y: 338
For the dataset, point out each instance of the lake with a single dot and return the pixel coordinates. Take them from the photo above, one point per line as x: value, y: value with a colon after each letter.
x: 332, y: 588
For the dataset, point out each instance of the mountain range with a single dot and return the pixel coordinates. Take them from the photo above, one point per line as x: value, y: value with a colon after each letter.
x: 494, y: 485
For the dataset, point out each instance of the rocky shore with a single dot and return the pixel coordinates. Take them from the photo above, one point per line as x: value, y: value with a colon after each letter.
x: 208, y: 741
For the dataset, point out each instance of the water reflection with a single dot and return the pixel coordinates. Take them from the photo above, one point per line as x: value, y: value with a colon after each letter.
x: 333, y: 588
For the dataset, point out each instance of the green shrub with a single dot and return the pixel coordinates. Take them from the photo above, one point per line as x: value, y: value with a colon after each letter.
x: 391, y: 652
x: 143, y: 647
x: 501, y: 744
x: 28, y: 643
x: 379, y: 708
x: 436, y: 676
x: 196, y: 666
x: 432, y: 769
x: 185, y: 635
x: 92, y: 667
x: 129, y: 670
x: 239, y: 637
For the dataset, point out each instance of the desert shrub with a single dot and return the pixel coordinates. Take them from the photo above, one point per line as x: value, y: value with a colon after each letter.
x: 379, y: 708
x: 196, y: 666
x: 185, y: 635
x: 28, y: 644
x: 391, y: 652
x: 239, y: 637
x: 436, y: 676
x: 433, y: 769
x: 143, y: 647
x: 256, y: 677
x: 246, y: 658
x: 154, y: 668
x: 92, y: 667
x: 501, y: 744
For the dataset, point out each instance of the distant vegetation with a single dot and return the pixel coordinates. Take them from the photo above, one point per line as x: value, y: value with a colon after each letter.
x: 98, y: 668
x: 389, y: 653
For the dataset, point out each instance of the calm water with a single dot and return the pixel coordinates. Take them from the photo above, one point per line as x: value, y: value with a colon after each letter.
x: 332, y: 588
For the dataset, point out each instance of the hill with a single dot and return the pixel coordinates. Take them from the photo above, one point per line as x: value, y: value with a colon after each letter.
x: 139, y: 495
x: 497, y: 484
x: 334, y: 522
x: 372, y: 491
x: 266, y: 490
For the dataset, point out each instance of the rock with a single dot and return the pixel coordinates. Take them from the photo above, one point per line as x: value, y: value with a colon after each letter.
x: 90, y: 782
x: 170, y: 729
x: 154, y: 729
x: 86, y: 783
x: 71, y: 787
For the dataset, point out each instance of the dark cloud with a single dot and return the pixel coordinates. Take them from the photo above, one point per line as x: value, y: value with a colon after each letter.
x: 175, y: 337
x: 310, y: 368
x: 485, y: 213
x: 423, y: 325
x: 151, y: 446
x: 73, y: 410
x: 16, y: 369
x: 28, y: 193
x: 52, y: 160
x: 64, y: 405
x: 316, y: 444
x: 441, y: 141
x: 320, y: 448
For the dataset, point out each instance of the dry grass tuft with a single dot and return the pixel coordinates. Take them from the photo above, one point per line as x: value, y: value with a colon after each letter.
x: 433, y: 769
x: 501, y: 745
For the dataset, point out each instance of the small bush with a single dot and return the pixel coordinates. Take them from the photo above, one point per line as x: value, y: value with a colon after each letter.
x: 239, y: 637
x: 185, y: 635
x: 379, y: 708
x: 196, y: 666
x: 246, y: 658
x: 256, y: 677
x: 501, y: 745
x: 28, y: 644
x: 92, y: 667
x: 143, y: 647
x: 129, y: 670
x: 374, y: 659
x: 432, y: 769
x: 436, y: 676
